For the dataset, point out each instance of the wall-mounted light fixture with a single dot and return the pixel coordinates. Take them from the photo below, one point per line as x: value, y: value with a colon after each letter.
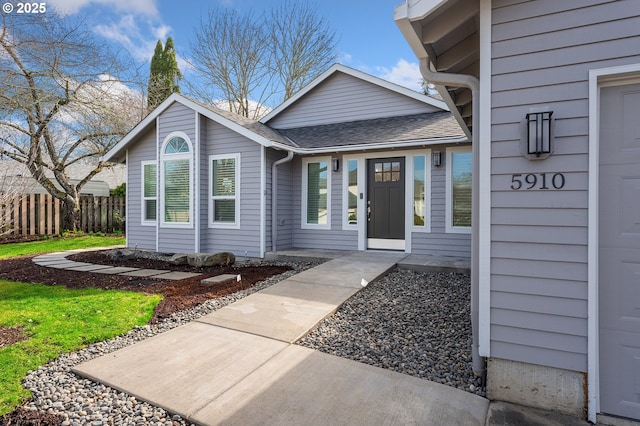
x: 539, y: 144
x: 335, y: 164
x: 436, y: 159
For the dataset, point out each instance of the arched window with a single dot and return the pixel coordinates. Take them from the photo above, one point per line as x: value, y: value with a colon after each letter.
x: 176, y: 180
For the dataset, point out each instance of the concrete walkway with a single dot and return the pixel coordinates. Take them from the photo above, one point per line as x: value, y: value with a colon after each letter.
x: 237, y: 366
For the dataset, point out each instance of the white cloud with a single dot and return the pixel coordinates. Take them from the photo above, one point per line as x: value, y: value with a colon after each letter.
x: 127, y: 33
x: 404, y: 73
x: 139, y: 7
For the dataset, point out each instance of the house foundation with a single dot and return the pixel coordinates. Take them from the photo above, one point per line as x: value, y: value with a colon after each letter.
x: 537, y: 386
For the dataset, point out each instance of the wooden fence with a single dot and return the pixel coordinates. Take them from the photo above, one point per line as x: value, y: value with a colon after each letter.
x: 39, y: 214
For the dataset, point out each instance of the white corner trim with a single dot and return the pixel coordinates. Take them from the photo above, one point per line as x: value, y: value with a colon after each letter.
x: 598, y: 78
x: 484, y: 192
x: 196, y: 183
x: 263, y: 200
x: 126, y: 200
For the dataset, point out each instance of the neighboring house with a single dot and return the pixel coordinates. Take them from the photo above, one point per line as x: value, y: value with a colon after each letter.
x: 344, y: 164
x: 16, y: 178
x: 556, y: 247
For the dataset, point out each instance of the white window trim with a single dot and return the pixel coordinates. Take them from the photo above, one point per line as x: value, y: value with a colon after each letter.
x: 169, y: 157
x: 409, y: 165
x: 226, y: 225
x: 303, y: 216
x: 346, y: 226
x: 143, y: 206
x: 449, y: 228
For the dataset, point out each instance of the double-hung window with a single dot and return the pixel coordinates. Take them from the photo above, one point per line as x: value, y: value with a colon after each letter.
x: 316, y: 193
x: 149, y: 192
x: 459, y: 184
x: 176, y: 181
x: 224, y: 178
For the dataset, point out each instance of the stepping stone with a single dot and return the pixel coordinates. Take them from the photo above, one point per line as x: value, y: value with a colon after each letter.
x: 176, y: 275
x: 219, y: 278
x: 115, y: 270
x: 88, y: 268
x: 67, y: 265
x: 146, y: 272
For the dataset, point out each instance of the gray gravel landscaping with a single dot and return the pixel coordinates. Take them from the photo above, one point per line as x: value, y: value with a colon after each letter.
x: 415, y: 323
x: 410, y: 322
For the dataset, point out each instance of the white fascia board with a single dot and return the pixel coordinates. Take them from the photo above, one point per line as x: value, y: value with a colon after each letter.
x: 376, y: 146
x: 360, y: 75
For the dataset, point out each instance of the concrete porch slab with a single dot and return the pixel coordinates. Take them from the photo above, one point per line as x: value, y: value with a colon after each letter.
x: 352, y: 271
x: 183, y: 369
x: 285, y: 311
x: 300, y: 386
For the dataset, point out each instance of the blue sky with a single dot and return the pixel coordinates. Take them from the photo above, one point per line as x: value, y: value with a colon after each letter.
x: 369, y: 40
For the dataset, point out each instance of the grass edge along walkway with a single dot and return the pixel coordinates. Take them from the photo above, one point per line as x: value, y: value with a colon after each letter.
x: 60, y: 320
x: 57, y: 244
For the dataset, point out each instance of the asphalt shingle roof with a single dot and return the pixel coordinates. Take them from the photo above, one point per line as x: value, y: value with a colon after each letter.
x: 381, y: 130
x: 255, y: 126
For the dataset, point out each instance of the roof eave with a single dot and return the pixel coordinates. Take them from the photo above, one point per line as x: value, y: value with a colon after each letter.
x: 407, y: 17
x: 377, y: 146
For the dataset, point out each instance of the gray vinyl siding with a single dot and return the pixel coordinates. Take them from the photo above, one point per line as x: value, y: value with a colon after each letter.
x: 343, y: 98
x: 183, y: 119
x: 220, y: 140
x: 542, y: 52
x: 144, y: 149
x: 335, y: 238
x: 286, y: 214
x: 438, y: 242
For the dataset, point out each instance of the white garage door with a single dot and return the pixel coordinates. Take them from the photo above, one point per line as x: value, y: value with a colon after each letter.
x: 619, y: 251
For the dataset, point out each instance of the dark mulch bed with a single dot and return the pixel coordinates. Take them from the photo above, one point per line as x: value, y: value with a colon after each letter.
x: 23, y: 417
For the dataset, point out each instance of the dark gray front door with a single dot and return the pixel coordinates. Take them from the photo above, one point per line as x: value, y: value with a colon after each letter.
x: 619, y: 251
x: 385, y: 202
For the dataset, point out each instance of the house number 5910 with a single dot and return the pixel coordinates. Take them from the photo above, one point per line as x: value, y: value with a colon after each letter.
x: 537, y: 181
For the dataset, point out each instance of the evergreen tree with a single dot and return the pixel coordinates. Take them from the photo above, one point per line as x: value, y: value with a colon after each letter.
x: 164, y: 74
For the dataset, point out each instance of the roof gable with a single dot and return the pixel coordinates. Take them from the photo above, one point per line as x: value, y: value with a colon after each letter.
x: 342, y: 94
x: 252, y: 130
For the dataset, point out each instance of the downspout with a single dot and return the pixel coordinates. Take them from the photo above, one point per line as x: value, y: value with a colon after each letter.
x: 274, y: 197
x: 473, y: 84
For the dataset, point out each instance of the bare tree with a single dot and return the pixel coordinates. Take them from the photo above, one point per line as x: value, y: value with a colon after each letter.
x: 231, y: 53
x: 302, y: 45
x: 13, y: 189
x: 60, y: 102
x: 246, y: 62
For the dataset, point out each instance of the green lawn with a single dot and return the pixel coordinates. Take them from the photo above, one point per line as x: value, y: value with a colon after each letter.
x: 57, y: 244
x: 59, y: 320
